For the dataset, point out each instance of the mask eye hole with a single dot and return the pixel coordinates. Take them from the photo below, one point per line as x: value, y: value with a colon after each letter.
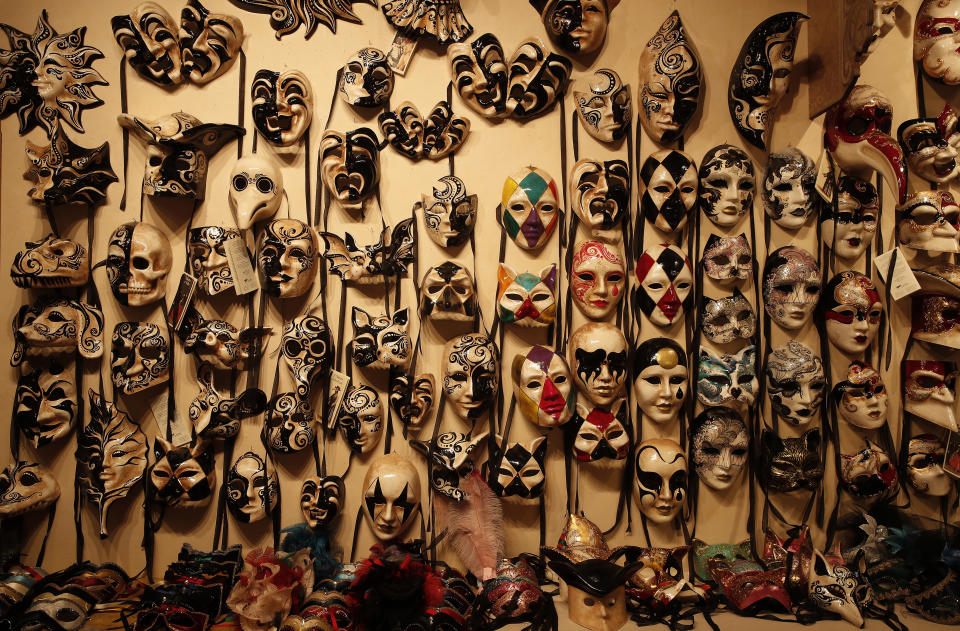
x: 140, y: 262
x: 155, y: 161
x: 264, y: 185
x: 239, y: 183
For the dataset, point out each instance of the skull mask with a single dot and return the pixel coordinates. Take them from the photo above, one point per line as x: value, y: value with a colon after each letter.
x: 661, y: 470
x: 835, y: 589
x: 449, y: 213
x: 862, y: 398
x: 449, y: 461
x: 929, y: 391
x: 665, y: 280
x: 795, y: 383
x: 925, y: 472
x: 182, y: 475
x: 935, y: 40
x: 851, y: 309
x: 252, y: 489
x: 598, y: 277
x: 597, y: 353
x: 320, y: 500
x: 521, y: 471
x: 727, y: 379
x: 601, y: 197
x: 791, y: 286
x: 361, y: 419
x: 438, y: 136
x: 787, y: 464
x: 139, y: 258
x: 849, y: 231
x: 220, y: 344
x: 529, y: 208
x: 151, y: 42
x: 728, y: 319
x: 527, y: 299
x: 140, y: 358
x: 367, y: 79
x: 719, y: 446
x: 45, y: 403
x: 50, y: 262
x: 447, y: 293
x: 660, y: 378
x: 604, y: 106
x: 380, y: 341
x: 64, y: 173
x: 282, y: 105
x: 391, y: 495
x: 789, y: 188
x: 350, y: 165
x: 56, y: 326
x: 728, y: 259
x: 256, y: 188
x: 543, y: 386
x: 470, y: 377
x: 307, y: 350
x: 209, y: 42
x: 287, y: 257
x: 575, y: 26
x: 668, y: 189
x: 930, y: 146
x: 868, y: 474
x: 929, y: 221
x: 600, y: 434
x: 727, y: 185
x: 208, y: 258
x: 26, y: 487
x: 215, y: 416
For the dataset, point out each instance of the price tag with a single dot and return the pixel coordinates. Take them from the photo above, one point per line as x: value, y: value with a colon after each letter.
x: 244, y: 276
x: 903, y: 282
x: 824, y: 184
x: 951, y: 458
x: 181, y: 301
x: 339, y: 383
x: 400, y: 53
x: 158, y: 407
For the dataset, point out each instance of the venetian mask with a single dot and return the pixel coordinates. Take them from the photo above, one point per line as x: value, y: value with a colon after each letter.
x: 150, y: 41
x: 220, y: 344
x: 727, y: 185
x: 447, y: 293
x: 748, y: 586
x: 216, y: 416
x: 287, y: 257
x: 925, y: 456
x: 791, y: 286
x: 543, y: 386
x: 661, y: 470
x: 665, y: 282
x: 861, y: 398
x: 660, y: 378
x: 256, y: 189
x: 929, y: 391
x: 320, y: 500
x: 182, y: 475
x: 930, y: 146
x: 480, y: 73
x: 449, y: 460
x: 26, y: 487
x: 179, y: 149
x: 252, y: 489
x: 527, y: 299
x: 522, y: 469
x: 668, y: 189
x: 851, y: 310
x: 449, y: 213
x: 796, y: 383
x: 470, y: 371
x: 529, y: 207
x: 575, y: 26
x: 140, y: 357
x: 391, y: 495
x: 282, y: 105
x: 50, y: 262
x: 411, y: 396
x: 600, y: 433
x: 513, y: 595
x: 604, y: 106
x: 935, y: 317
x: 183, y: 607
x: 719, y: 446
x: 935, y: 40
x: 728, y: 319
x: 208, y: 258
x: 596, y: 596
x: 45, y: 403
x: 727, y: 378
x: 884, y: 19
x: 380, y: 341
x: 671, y: 82
x: 834, y: 588
x: 728, y: 259
x: 600, y: 191
x: 307, y: 350
x: 789, y: 188
x: 366, y: 80
x: 868, y: 473
x: 371, y: 264
x: 57, y: 326
x: 64, y: 173
x: 112, y: 452
x: 788, y: 464
x: 350, y: 165
x: 537, y: 79
x: 209, y: 42
x: 139, y: 258
x: 726, y: 555
x: 598, y: 277
x: 761, y: 76
x: 361, y: 419
x: 438, y: 136
x: 929, y: 221
x: 597, y: 352
x: 858, y: 213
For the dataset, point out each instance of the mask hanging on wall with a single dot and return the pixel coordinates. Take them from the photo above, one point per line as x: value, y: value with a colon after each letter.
x: 447, y: 293
x: 935, y: 40
x: 209, y: 42
x: 252, y: 489
x: 380, y: 342
x: 869, y: 473
x: 444, y: 22
x: 50, y: 262
x: 150, y: 40
x: 26, y: 487
x: 391, y: 496
x: 600, y: 433
x: 529, y: 208
x: 598, y: 356
x: 727, y: 185
x: 728, y: 260
x: 350, y: 165
x: 543, y: 386
x: 282, y: 105
x: 256, y: 189
x: 287, y: 257
x: 449, y: 213
x: 727, y: 379
x: 861, y: 398
x: 788, y: 464
x: 208, y: 257
x: 470, y: 377
x: 661, y: 479
x: 668, y: 189
x: 929, y: 221
x: 526, y: 299
x: 600, y: 191
x: 289, y: 424
x: 307, y: 350
x: 665, y: 282
x: 57, y: 326
x: 929, y: 391
x: 575, y: 26
x: 789, y: 188
x: 63, y: 172
x: 412, y: 401
x: 320, y: 500
x: 220, y: 344
x: 438, y: 136
x: 925, y: 457
x: 182, y: 475
x: 851, y: 310
x: 728, y: 319
x: 522, y: 471
x: 835, y: 589
x: 139, y: 258
x: 796, y: 383
x: 660, y: 378
x: 449, y: 461
x: 371, y: 264
x: 858, y: 213
x: 598, y: 278
x: 791, y: 286
x: 361, y: 419
x: 538, y: 78
x: 604, y: 106
x: 215, y: 416
x: 935, y: 310
x: 366, y: 79
x: 45, y: 403
x: 140, y: 357
x: 930, y: 146
x: 719, y: 447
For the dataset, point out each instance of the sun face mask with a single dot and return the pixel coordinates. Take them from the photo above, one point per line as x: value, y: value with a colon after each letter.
x: 45, y: 403
x: 789, y: 188
x: 252, y: 489
x: 543, y: 386
x: 182, y: 475
x: 449, y: 213
x: 112, y: 452
x: 935, y: 40
x: 307, y: 350
x: 929, y: 221
x: 727, y: 185
x: 601, y: 197
x: 929, y: 391
x: 868, y: 474
x: 471, y: 366
x: 50, y: 262
x: 527, y: 299
x: 597, y: 353
x: 256, y: 189
x: 529, y: 209
x: 761, y: 76
x: 320, y: 500
x: 57, y: 326
x: 140, y: 357
x: 282, y: 105
x: 412, y: 396
x: 449, y: 461
x: 371, y: 264
x: 380, y: 342
x: 287, y: 257
x: 791, y: 286
x: 727, y: 379
x: 220, y: 344
x: 350, y: 165
x: 366, y: 79
x: 661, y: 470
x: 660, y: 378
x: 788, y: 464
x: 598, y: 278
x: 862, y: 398
x: 209, y: 42
x: 600, y: 433
x: 139, y: 258
x: 438, y: 136
x: 796, y: 383
x: 216, y: 416
x: 447, y: 293
x: 64, y: 173
x: 858, y: 212
x: 665, y: 281
x: 668, y: 189
x: 26, y: 487
x: 728, y: 319
x: 834, y: 588
x: 522, y: 469
x: 720, y: 447
x: 208, y: 258
x: 361, y: 419
x: 391, y: 495
x: 851, y: 309
x: 604, y: 106
x: 929, y: 145
x: 728, y: 260
x: 925, y: 455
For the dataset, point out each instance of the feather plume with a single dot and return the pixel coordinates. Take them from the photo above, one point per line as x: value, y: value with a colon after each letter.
x: 474, y: 525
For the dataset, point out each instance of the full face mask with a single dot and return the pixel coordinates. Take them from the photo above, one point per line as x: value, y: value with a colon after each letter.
x: 538, y: 78
x: 391, y: 495
x: 522, y: 469
x: 307, y: 350
x: 861, y: 398
x: 761, y: 76
x: 671, y: 82
x: 287, y: 257
x: 543, y: 386
x: 789, y: 188
x: 449, y: 461
x: 256, y: 189
x: 665, y: 281
x: 26, y: 487
x: 868, y: 474
x: 604, y: 106
x: 727, y: 378
x: 471, y: 366
x: 112, y: 452
x: 935, y: 40
x: 57, y: 326
x: 598, y: 278
x: 575, y: 26
x: 433, y: 138
x: 150, y: 41
x: 282, y: 105
x: 479, y: 72
x: 600, y: 191
x: 930, y: 146
x: 935, y: 312
x: 849, y: 231
x: 791, y: 286
x: 796, y: 383
x: 45, y: 403
x: 727, y: 185
x: 660, y: 378
x: 728, y: 260
x: 320, y: 500
x: 50, y: 262
x: 208, y: 258
x: 139, y: 258
x: 182, y: 475
x: 835, y: 588
x: 728, y: 319
x: 929, y: 391
x: 719, y: 446
x: 597, y: 353
x: 529, y: 209
x: 350, y: 165
x: 447, y: 293
x: 371, y: 264
x: 412, y: 396
x: 252, y: 489
x: 380, y: 342
x: 788, y: 464
x: 449, y: 213
x: 600, y: 433
x: 361, y: 419
x: 929, y: 221
x: 140, y: 357
x: 64, y: 173
x: 218, y: 416
x: 209, y: 42
x: 925, y: 455
x: 366, y: 79
x: 661, y: 470
x: 596, y: 594
x: 851, y: 310
x: 527, y: 299
x: 668, y: 189
x: 220, y: 344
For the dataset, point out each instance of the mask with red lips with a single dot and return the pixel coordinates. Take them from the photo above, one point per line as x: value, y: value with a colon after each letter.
x: 529, y: 207
x: 851, y: 310
x: 929, y: 146
x: 543, y: 386
x: 665, y: 280
x: 597, y: 278
x: 861, y: 399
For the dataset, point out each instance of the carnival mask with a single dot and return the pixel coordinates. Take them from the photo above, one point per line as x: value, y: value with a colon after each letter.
x: 929, y: 391
x: 598, y: 277
x: 182, y: 475
x: 668, y: 189
x: 64, y: 173
x: 575, y: 26
x: 448, y: 212
x: 50, y: 262
x: 26, y: 487
x: 661, y: 470
x: 929, y: 221
x: 858, y: 213
x: 256, y: 189
x: 449, y: 461
x: 728, y: 319
x: 57, y: 326
x: 727, y: 379
x: 45, y: 403
x: 925, y: 473
x: 748, y: 586
x: 834, y: 588
x: 596, y: 596
x: 391, y: 495
x: 726, y: 555
x: 671, y: 82
x: 719, y: 446
x: 439, y: 135
x: 479, y: 73
x: 665, y: 281
x: 287, y: 257
x: 795, y: 383
x: 140, y: 357
x: 727, y: 185
x: 323, y: 610
x: 527, y: 299
x: 929, y: 145
x: 350, y: 165
x: 789, y: 188
x: 597, y: 353
x: 220, y: 344
x: 214, y: 415
x: 728, y: 259
x: 604, y: 106
x: 139, y: 258
x: 601, y: 197
x: 884, y: 19
x: 543, y: 386
x: 791, y: 286
x: 513, y: 595
x: 851, y: 310
x: 112, y: 452
x: 381, y: 341
x: 935, y: 316
x: 282, y: 105
x: 372, y: 263
x: 307, y: 350
x: 320, y: 500
x: 529, y: 207
x: 660, y: 378
x: 935, y: 40
x: 868, y: 473
x: 447, y: 293
x: 150, y: 41
x: 761, y: 76
x: 366, y: 79
x: 209, y: 42
x: 787, y: 464
x: 862, y: 398
x: 522, y: 469
x: 411, y: 396
x: 600, y: 433
x: 538, y: 78
x: 471, y: 368
x: 208, y: 257
x: 252, y: 490
x: 361, y: 419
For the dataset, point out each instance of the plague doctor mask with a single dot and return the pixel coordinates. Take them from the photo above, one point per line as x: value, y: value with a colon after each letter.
x: 182, y: 475
x: 788, y: 464
x: 727, y: 378
x: 851, y: 310
x: 728, y: 260
x: 350, y: 165
x: 835, y: 589
x: 600, y: 434
x: 282, y: 105
x: 598, y: 356
x: 371, y: 264
x: 600, y: 191
x: 287, y: 257
x: 849, y: 231
x: 307, y: 350
x: 139, y: 258
x: 576, y: 26
x: 660, y: 378
x: 791, y: 286
x: 604, y: 106
x: 361, y: 419
x: 719, y: 447
x: 728, y: 319
x: 449, y: 213
x: 26, y: 487
x: 45, y: 402
x: 381, y: 341
x: 796, y: 383
x: 727, y: 185
x: 789, y: 188
x: 50, y: 262
x: 64, y: 173
x: 935, y: 40
x: 529, y: 209
x: 929, y: 221
x: 320, y: 500
x: 449, y: 461
x: 930, y: 146
x: 447, y: 293
x: 471, y: 367
x: 522, y: 470
x: 668, y: 189
x: 543, y: 386
x: 868, y: 473
x: 391, y: 495
x: 527, y: 299
x: 366, y: 79
x: 929, y: 391
x: 252, y: 489
x: 256, y: 188
x: 208, y: 257
x: 936, y: 310
x: 150, y: 41
x: 862, y: 398
x: 665, y: 282
x: 140, y: 357
x: 925, y: 455
x: 661, y: 479
x: 57, y: 326
x: 598, y: 278
x: 209, y: 42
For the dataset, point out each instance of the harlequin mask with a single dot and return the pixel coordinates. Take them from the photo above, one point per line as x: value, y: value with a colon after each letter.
x: 449, y: 460
x: 366, y: 79
x: 727, y: 379
x: 372, y: 263
x: 256, y: 189
x: 307, y: 350
x: 668, y: 189
x: 925, y: 473
x: 727, y: 184
x: 411, y: 396
x: 929, y: 391
x: 600, y: 433
x: 858, y: 212
x: 791, y: 286
x: 726, y: 555
x: 361, y: 419
x: 320, y: 500
x: 391, y: 495
x: 661, y: 470
x: 789, y: 188
x: 929, y: 145
x: 45, y: 403
x: 214, y: 415
x: 287, y: 257
x: 851, y: 310
x: 112, y: 452
x: 282, y: 105
x: 601, y: 197
x: 471, y: 367
x: 929, y: 221
x: 761, y: 75
x: 728, y: 319
x: 671, y: 80
x: 857, y: 134
x: 252, y: 489
x: 448, y: 212
x: 596, y: 596
x: 522, y: 471
x: 50, y: 262
x: 604, y: 106
x: 868, y: 473
x: 140, y: 358
x: 220, y: 344
x: 447, y: 293
x: 728, y: 259
x: 56, y: 326
x: 380, y: 341
x: 598, y: 355
x: 63, y: 172
x: 834, y: 588
x: 935, y: 40
x: 720, y: 447
x: 26, y: 487
x: 208, y: 257
x: 350, y: 165
x: 598, y: 278
x: 543, y: 386
x: 529, y: 207
x: 787, y: 464
x: 665, y: 280
x: 151, y: 42
x: 179, y: 149
x: 660, y: 378
x: 182, y: 475
x: 527, y: 299
x: 438, y: 136
x: 795, y: 383
x: 862, y: 398
x: 139, y: 259
x: 936, y: 310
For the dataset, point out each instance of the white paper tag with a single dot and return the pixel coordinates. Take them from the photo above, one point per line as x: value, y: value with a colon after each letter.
x: 244, y: 276
x: 158, y: 407
x: 824, y: 184
x: 339, y: 383
x: 904, y: 282
x: 401, y: 51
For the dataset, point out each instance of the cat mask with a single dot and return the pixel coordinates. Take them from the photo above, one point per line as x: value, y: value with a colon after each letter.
x: 543, y: 386
x: 600, y: 191
x: 371, y: 264
x: 668, y: 189
x: 665, y: 281
x: 45, y: 402
x: 728, y: 260
x: 449, y: 460
x: 600, y: 434
x: 727, y: 379
x: 727, y: 185
x: 796, y: 383
x: 788, y: 464
x: 526, y: 299
x: 789, y: 188
x: 598, y: 277
x: 660, y: 378
x: 869, y: 473
x: 447, y: 293
x: 725, y: 320
x: 791, y: 286
x: 380, y: 342
x: 182, y: 475
x: 521, y: 469
x: 661, y: 479
x: 529, y: 207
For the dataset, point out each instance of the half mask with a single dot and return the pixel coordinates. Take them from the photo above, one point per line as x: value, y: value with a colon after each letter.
x: 139, y: 258
x: 727, y: 185
x: 282, y: 105
x: 45, y: 402
x: 791, y: 286
x: 350, y: 165
x: 604, y: 106
x: 26, y: 487
x: 543, y: 386
x: 668, y: 189
x: 140, y: 357
x: 287, y: 257
x: 600, y: 432
x: 665, y: 281
x: 929, y: 391
x: 256, y: 189
x: 727, y: 259
x: 182, y: 475
x: 930, y: 146
x: 748, y: 586
x: 449, y: 461
x: 471, y: 367
x: 727, y: 378
x: 575, y: 26
x: 788, y: 464
x: 380, y: 342
x: 789, y: 188
x: 527, y: 299
x: 936, y: 310
x: 208, y: 257
x: 252, y: 489
x: 150, y: 40
x: 835, y: 589
x: 522, y: 469
x: 598, y: 278
x: 600, y: 191
x: 727, y: 319
x: 925, y: 456
x: 412, y: 396
x: 726, y: 555
x: 217, y: 416
x: 307, y: 350
x: 320, y: 500
x: 220, y: 344
x: 371, y: 264
x: 529, y: 207
x: 449, y: 213
x: 438, y: 136
x: 929, y: 221
x: 366, y: 80
x: 50, y: 262
x: 661, y: 470
x: 442, y: 21
x: 63, y: 172
x: 861, y: 398
x: 796, y: 383
x: 719, y: 447
x: 851, y: 311
x: 935, y: 40
x: 391, y: 495
x: 57, y: 326
x: 660, y: 378
x: 869, y: 473
x: 209, y: 42
x: 849, y: 231
x: 361, y: 419
x: 513, y: 595
x: 447, y: 293
x: 597, y: 353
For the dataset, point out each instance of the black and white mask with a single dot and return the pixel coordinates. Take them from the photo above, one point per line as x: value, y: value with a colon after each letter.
x: 719, y: 446
x: 600, y: 191
x: 795, y: 383
x: 26, y: 487
x: 57, y: 326
x: 449, y: 213
x: 139, y: 258
x: 50, y: 262
x: 449, y: 460
x: 209, y: 42
x: 289, y: 424
x: 64, y: 173
x: 140, y: 358
x: 307, y: 350
x: 350, y: 165
x: 660, y: 378
x: 597, y: 354
x: 217, y: 416
x: 252, y: 489
x: 381, y: 341
x: 208, y: 257
x: 471, y: 364
x: 45, y: 403
x: 361, y: 419
x: 150, y: 41
x: 287, y: 253
x: 320, y: 500
x: 668, y: 189
x: 282, y: 105
x: 447, y: 293
x: 366, y: 79
x: 220, y: 344
x: 728, y: 319
x: 849, y: 231
x: 182, y: 475
x: 727, y: 185
x: 522, y: 470
x: 371, y: 264
x: 604, y: 106
x: 661, y: 475
x: 256, y: 190
x: 433, y: 138
x: 789, y: 193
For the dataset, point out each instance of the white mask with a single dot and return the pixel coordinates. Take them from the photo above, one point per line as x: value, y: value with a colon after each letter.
x: 925, y: 466
x: 862, y: 398
x: 719, y: 446
x: 661, y: 479
x: 256, y: 187
x: 391, y: 495
x: 661, y: 382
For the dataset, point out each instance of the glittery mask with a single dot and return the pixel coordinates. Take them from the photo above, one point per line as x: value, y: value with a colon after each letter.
x: 391, y: 495
x: 791, y: 286
x: 728, y: 553
x: 289, y: 424
x: 529, y: 207
x: 366, y: 79
x: 361, y: 419
x: 665, y: 281
x: 182, y: 475
x: 139, y: 258
x: 851, y: 310
x: 282, y: 105
x: 522, y: 469
x: 925, y: 456
x: 150, y: 41
x: 513, y: 595
x: 449, y: 460
x: 208, y: 257
x: 727, y: 378
x: 660, y: 378
x: 788, y: 464
x: 935, y: 40
x: 728, y: 259
x: 719, y: 447
x: 64, y: 173
x: 57, y: 326
x: 140, y: 357
x: 748, y: 586
x: 728, y: 319
x: 789, y: 188
x: 869, y: 473
x: 929, y: 391
x: 26, y: 487
x: 307, y: 350
x: 668, y: 189
x: 320, y: 500
x: 471, y: 365
x: 449, y: 213
x: 604, y: 106
x: 598, y: 277
x: 447, y: 293
x: 350, y: 165
x: 371, y: 264
x: 795, y: 383
x: 861, y: 398
x: 575, y: 26
x: 600, y: 191
x: 438, y: 136
x: 929, y: 221
x: 929, y: 145
x: 209, y: 42
x: 600, y: 434
x: 936, y: 310
x: 597, y: 353
x: 256, y: 189
x: 45, y: 402
x: 727, y: 185
x: 216, y: 416
x: 661, y: 475
x: 849, y: 231
x: 220, y: 344
x: 252, y: 489
x: 380, y: 341
x: 543, y: 386
x: 50, y: 262
x: 527, y: 299
x: 835, y: 589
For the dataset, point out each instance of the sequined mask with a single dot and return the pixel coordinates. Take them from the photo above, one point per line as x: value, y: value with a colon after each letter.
x: 728, y: 319
x: 719, y: 447
x: 789, y: 188
x: 796, y: 383
x: 788, y: 464
x: 727, y: 378
x: 728, y: 259
x: 791, y: 286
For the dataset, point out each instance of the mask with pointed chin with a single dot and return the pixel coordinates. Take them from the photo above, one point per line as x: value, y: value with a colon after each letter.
x: 543, y: 386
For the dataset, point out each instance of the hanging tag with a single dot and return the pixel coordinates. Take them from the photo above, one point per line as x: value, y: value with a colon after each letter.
x: 339, y: 383
x: 824, y: 184
x: 401, y: 51
x: 951, y: 457
x: 904, y: 282
x: 158, y: 407
x: 244, y: 276
x: 181, y: 301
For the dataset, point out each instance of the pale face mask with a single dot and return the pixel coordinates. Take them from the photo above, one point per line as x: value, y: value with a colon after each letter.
x: 139, y: 258
x: 929, y: 221
x: 471, y: 366
x: 575, y: 26
x: 600, y: 434
x: 366, y: 79
x: 601, y: 197
x: 727, y: 185
x: 182, y: 475
x: 929, y: 391
x: 665, y: 282
x: 862, y: 398
x: 391, y: 495
x: 598, y: 277
x: 434, y: 137
x: 361, y: 419
x: 529, y: 207
x: 140, y: 358
x: 720, y: 447
x: 447, y: 293
x: 791, y: 286
x: 50, y: 262
x: 208, y: 258
x: 287, y: 252
x: 543, y: 386
x: 45, y: 403
x: 936, y: 37
x: 858, y: 212
x: 151, y: 42
x: 851, y: 310
x: 57, y: 326
x: 668, y: 189
x: 728, y: 260
x: 350, y: 165
x: 789, y: 193
x: 307, y: 350
x: 925, y: 466
x: 598, y: 356
x: 660, y: 379
x: 604, y: 106
x: 728, y: 319
x: 65, y: 173
x: 479, y: 72
x: 209, y: 42
x: 527, y: 299
x: 252, y: 489
x: 282, y: 105
x: 320, y: 500
x: 26, y: 487
x: 834, y: 588
x: 796, y: 383
x: 727, y: 379
x: 661, y: 482
x: 380, y: 342
x: 449, y: 213
x: 256, y: 189
x: 928, y: 146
